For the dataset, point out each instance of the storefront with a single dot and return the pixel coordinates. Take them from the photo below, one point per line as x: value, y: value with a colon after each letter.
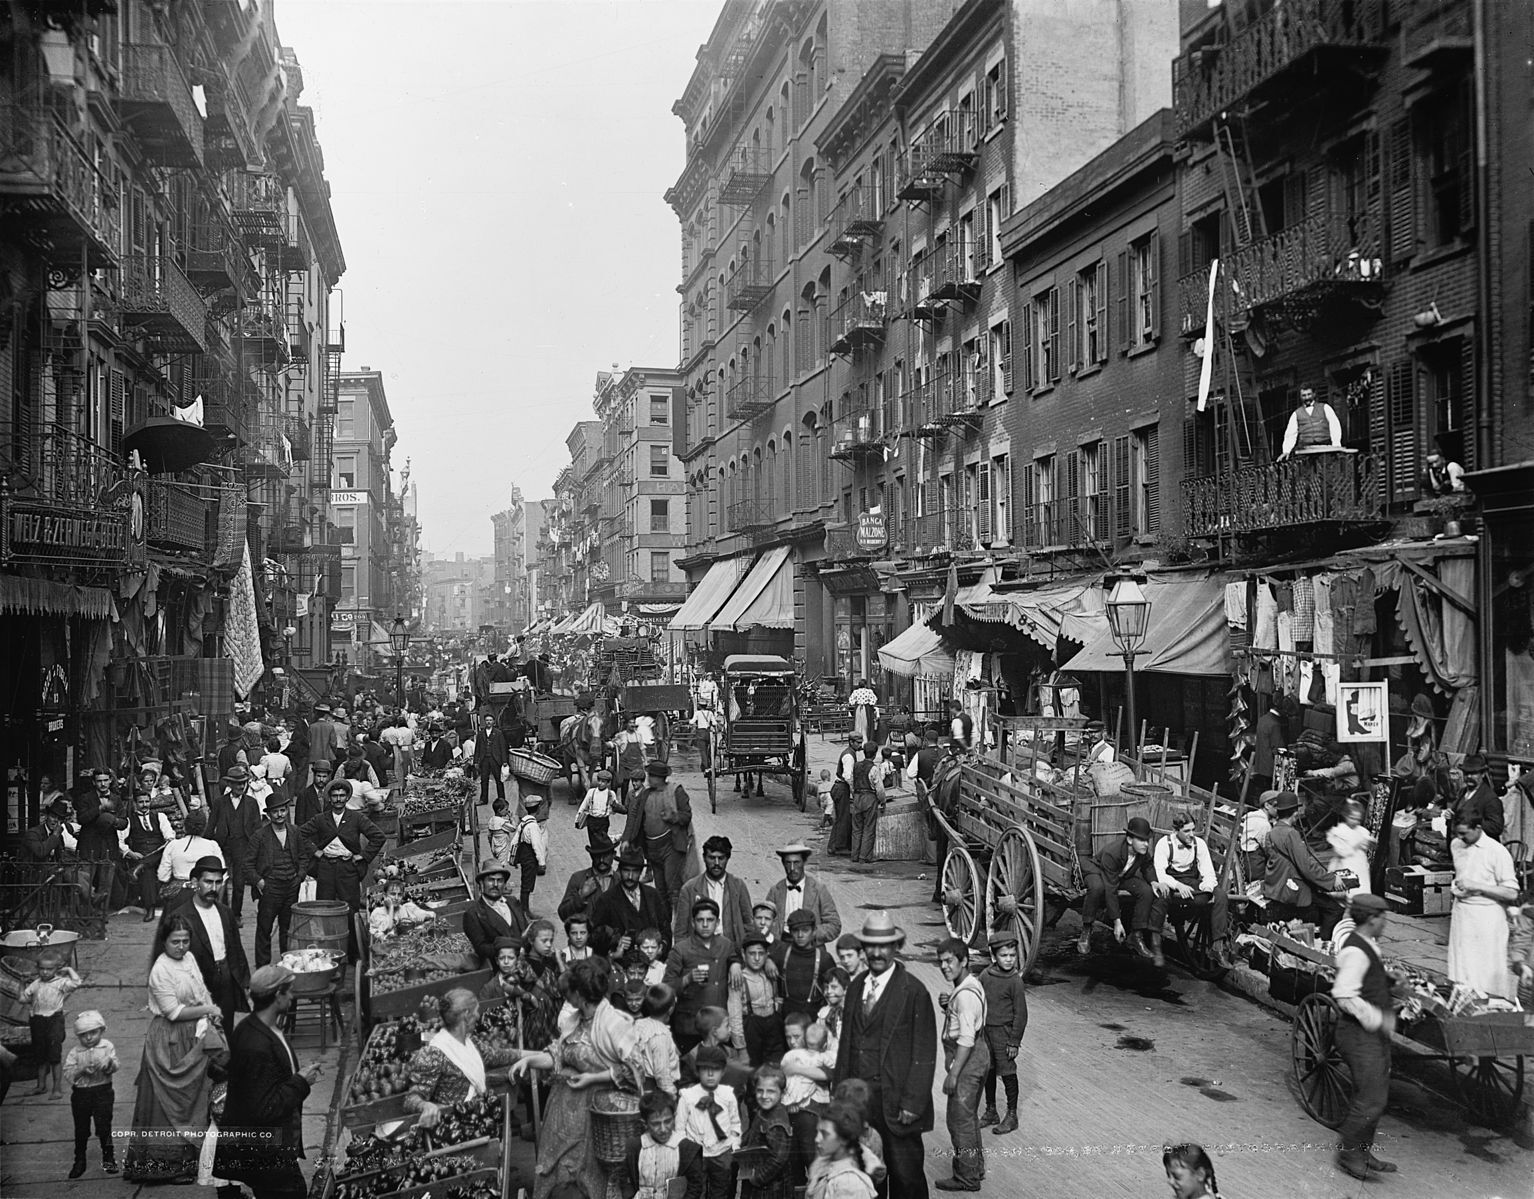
x: 1505, y: 594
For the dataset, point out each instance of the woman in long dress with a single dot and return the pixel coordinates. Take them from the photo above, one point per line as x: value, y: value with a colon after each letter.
x: 865, y: 711
x: 170, y: 1113
x: 1484, y: 883
x: 593, y: 1059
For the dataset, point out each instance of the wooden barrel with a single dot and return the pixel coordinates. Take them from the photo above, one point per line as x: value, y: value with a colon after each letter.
x: 1082, y: 803
x: 1109, y: 819
x: 321, y: 923
x: 901, y: 834
x: 1162, y: 811
x: 15, y: 973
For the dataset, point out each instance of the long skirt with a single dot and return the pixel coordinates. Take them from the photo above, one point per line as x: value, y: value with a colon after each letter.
x: 863, y: 723
x: 566, y: 1152
x: 840, y: 841
x: 170, y: 1113
x: 1478, y: 948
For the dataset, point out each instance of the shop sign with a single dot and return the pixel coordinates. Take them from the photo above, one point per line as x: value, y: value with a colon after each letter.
x: 873, y: 531
x: 348, y: 497
x: 1363, y: 712
x: 40, y: 533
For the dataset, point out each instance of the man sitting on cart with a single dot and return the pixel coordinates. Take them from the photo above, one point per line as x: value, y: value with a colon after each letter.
x: 1123, y: 870
x: 1185, y: 870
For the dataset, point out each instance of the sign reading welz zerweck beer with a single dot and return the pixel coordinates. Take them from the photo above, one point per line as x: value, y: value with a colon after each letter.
x: 872, y: 531
x: 39, y: 533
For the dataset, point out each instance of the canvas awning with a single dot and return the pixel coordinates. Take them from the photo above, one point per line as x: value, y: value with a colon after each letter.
x: 1187, y: 635
x: 765, y: 599
x: 592, y: 622
x: 918, y: 653
x: 1073, y: 610
x: 705, y: 600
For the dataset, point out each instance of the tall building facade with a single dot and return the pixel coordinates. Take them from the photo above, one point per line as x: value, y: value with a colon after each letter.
x: 457, y: 590
x: 362, y: 500
x: 517, y: 531
x: 848, y: 318
x: 168, y: 350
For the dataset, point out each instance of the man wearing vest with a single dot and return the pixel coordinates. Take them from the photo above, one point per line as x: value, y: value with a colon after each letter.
x: 1366, y: 1020
x: 342, y: 843
x: 889, y: 1040
x: 660, y: 826
x: 148, y: 833
x: 867, y: 798
x: 277, y: 863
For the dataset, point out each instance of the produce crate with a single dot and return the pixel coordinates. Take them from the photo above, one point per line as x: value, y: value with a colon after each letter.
x: 1491, y: 1034
x: 406, y: 1000
x: 486, y: 1151
x: 427, y: 844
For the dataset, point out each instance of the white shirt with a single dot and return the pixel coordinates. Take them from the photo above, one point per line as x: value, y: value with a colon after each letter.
x: 698, y: 1127
x: 792, y: 900
x: 1352, y: 964
x: 715, y: 891
x: 182, y: 854
x: 278, y: 767
x: 873, y: 987
x: 160, y: 822
x: 214, y: 923
x: 1170, y: 853
x: 966, y: 1015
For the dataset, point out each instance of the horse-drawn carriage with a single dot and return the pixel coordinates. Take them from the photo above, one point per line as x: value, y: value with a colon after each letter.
x: 759, y: 731
x: 1018, y: 827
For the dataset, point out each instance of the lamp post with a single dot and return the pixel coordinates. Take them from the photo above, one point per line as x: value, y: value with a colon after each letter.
x: 399, y: 642
x: 1128, y: 619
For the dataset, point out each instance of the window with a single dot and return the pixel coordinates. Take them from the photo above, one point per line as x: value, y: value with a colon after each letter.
x: 660, y: 461
x: 660, y: 567
x: 660, y: 516
x: 1089, y: 317
x: 1447, y: 149
x: 1000, y: 363
x: 348, y: 582
x: 1046, y: 338
x: 1044, y: 499
x: 996, y: 95
x: 346, y: 526
x: 995, y: 213
x: 1146, y: 481
x: 964, y: 252
x: 1139, y: 293
x: 1001, y: 499
x: 946, y: 507
x: 346, y: 472
x: 1093, y: 500
x: 346, y: 420
x: 660, y: 410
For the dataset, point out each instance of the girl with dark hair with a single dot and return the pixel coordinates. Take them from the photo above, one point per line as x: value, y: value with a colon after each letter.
x: 1189, y: 1171
x: 592, y: 1059
x: 655, y: 1053
x: 451, y: 1067
x: 838, y: 1171
x: 170, y: 1111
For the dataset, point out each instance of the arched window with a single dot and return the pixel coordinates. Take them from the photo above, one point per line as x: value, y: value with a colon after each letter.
x: 786, y: 356
x: 770, y: 476
x: 805, y: 484
x: 785, y: 466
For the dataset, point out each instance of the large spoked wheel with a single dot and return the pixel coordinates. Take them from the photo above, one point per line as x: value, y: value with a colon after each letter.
x: 1325, y: 1082
x: 799, y: 772
x: 961, y: 895
x: 1014, y: 893
x: 1491, y: 1088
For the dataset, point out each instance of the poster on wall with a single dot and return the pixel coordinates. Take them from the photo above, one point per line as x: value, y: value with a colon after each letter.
x: 1363, y: 712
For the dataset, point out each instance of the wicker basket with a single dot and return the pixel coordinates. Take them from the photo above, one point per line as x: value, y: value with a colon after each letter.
x: 614, y: 1122
x: 534, y: 767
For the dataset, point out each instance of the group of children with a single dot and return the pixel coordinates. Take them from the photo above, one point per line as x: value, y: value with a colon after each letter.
x: 89, y: 1065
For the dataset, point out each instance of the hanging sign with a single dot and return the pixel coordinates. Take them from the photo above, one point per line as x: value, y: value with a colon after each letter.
x: 873, y: 531
x: 1363, y: 712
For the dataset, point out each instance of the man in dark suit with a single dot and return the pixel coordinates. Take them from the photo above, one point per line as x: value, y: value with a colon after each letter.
x: 494, y: 915
x: 437, y: 753
x: 1479, y: 798
x: 44, y: 841
x: 229, y: 753
x: 310, y: 802
x: 659, y: 825
x: 630, y: 907
x: 587, y: 886
x: 278, y: 862
x: 806, y: 894
x: 889, y: 1040
x: 327, y: 742
x: 341, y: 843
x: 490, y: 754
x: 1125, y: 867
x: 215, y: 939
x: 260, y: 1136
x: 233, y: 821
x: 98, y: 820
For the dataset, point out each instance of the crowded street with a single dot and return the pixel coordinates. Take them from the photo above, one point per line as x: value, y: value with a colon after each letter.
x: 766, y: 599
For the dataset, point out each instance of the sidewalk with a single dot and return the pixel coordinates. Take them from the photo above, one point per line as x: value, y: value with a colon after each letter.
x: 38, y: 1131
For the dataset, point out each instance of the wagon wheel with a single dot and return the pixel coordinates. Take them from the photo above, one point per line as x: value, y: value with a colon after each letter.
x: 1014, y: 893
x: 799, y: 772
x: 961, y: 894
x: 1196, y: 946
x: 1325, y: 1082
x: 1491, y: 1088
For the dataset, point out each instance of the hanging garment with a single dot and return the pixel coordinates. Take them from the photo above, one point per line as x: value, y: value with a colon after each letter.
x: 1304, y: 609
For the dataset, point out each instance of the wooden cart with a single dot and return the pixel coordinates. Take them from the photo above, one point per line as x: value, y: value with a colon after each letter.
x: 762, y: 733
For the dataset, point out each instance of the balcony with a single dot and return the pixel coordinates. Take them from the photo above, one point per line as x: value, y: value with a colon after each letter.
x: 260, y: 205
x: 747, y: 175
x: 288, y: 537
x: 921, y: 303
x: 749, y: 285
x: 300, y: 341
x: 1305, y: 490
x: 955, y: 273
x: 1067, y: 523
x: 300, y: 440
x: 859, y: 321
x: 930, y: 533
x: 744, y: 516
x: 156, y: 103
x: 1298, y: 46
x: 748, y: 397
x: 175, y: 517
x: 50, y: 188
x: 159, y: 300
x: 855, y: 221
x: 858, y: 435
x: 215, y: 258
x: 229, y: 142
x: 947, y: 148
x: 264, y: 335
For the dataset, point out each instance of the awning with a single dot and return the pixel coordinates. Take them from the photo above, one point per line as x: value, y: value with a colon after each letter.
x: 764, y: 600
x: 708, y: 596
x: 918, y: 653
x: 1072, y: 609
x: 1188, y: 634
x: 28, y: 596
x: 592, y: 622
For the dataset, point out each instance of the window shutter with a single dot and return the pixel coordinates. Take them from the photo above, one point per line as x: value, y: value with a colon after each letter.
x: 1029, y: 492
x: 1006, y: 356
x: 1121, y: 484
x: 1001, y: 488
x: 1403, y: 204
x: 118, y: 416
x: 1152, y: 480
x: 983, y: 250
x: 1070, y: 501
x: 1401, y: 401
x: 1030, y: 381
x: 1153, y: 286
x: 1001, y: 89
x: 1073, y: 303
x: 1464, y: 167
x: 1053, y: 301
x: 983, y: 501
x: 1121, y: 312
x: 1102, y: 311
x: 1466, y: 417
x: 1185, y: 264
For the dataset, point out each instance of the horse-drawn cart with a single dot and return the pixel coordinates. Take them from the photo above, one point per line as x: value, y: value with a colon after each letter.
x: 1017, y: 831
x: 761, y: 733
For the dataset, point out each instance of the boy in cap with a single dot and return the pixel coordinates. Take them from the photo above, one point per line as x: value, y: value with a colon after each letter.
x: 756, y: 1015
x: 764, y: 914
x: 1006, y: 1019
x: 530, y: 847
x: 802, y: 966
x: 1366, y: 1018
x: 88, y: 1068
x: 709, y: 1113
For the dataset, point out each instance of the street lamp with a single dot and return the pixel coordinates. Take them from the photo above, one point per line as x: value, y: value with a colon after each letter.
x: 399, y: 642
x: 1128, y: 620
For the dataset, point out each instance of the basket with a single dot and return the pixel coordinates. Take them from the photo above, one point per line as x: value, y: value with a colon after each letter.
x: 614, y: 1122
x: 534, y: 767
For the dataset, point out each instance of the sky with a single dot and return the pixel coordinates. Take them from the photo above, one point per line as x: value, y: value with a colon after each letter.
x: 496, y: 170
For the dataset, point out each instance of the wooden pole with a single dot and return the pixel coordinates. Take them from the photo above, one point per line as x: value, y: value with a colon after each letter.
x: 1187, y: 770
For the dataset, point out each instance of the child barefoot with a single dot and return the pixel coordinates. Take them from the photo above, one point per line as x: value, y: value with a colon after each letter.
x: 45, y: 995
x: 500, y: 830
x: 827, y: 804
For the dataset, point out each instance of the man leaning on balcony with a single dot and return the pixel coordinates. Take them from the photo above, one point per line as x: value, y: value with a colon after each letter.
x: 1312, y: 426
